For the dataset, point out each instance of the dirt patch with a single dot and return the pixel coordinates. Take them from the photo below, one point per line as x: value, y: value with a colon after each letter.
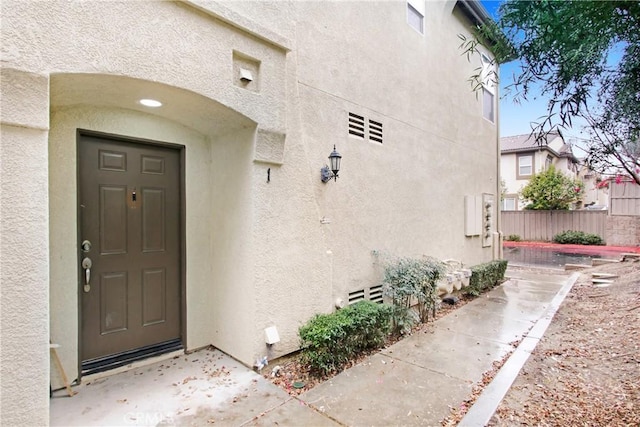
x: 586, y: 369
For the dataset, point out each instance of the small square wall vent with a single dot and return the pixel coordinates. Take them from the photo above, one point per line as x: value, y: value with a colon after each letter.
x: 356, y: 125
x: 363, y: 128
x: 356, y: 296
x: 375, y: 131
x: 375, y: 294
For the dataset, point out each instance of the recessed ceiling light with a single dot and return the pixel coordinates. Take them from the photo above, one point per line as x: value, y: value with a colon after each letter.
x: 150, y: 103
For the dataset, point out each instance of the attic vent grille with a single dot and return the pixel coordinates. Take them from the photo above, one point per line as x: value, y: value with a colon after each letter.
x: 356, y: 296
x: 375, y: 131
x: 364, y: 128
x: 375, y: 294
x: 356, y: 125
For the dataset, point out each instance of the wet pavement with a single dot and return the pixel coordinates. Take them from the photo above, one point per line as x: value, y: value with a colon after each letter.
x: 547, y: 257
x: 544, y: 254
x: 413, y: 382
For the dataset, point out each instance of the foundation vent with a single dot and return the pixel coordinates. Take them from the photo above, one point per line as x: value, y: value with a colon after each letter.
x: 356, y: 125
x: 356, y: 296
x: 375, y: 294
x: 375, y: 131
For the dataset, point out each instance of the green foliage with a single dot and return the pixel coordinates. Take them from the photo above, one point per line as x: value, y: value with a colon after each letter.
x: 552, y: 190
x: 578, y: 238
x: 408, y: 281
x: 486, y: 276
x: 329, y: 341
x: 512, y: 238
x: 584, y: 57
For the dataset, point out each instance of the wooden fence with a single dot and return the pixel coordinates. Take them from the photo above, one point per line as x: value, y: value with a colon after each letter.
x: 543, y: 225
x: 624, y: 199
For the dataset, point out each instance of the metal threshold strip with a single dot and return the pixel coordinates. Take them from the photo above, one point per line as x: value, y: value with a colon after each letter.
x: 101, y: 364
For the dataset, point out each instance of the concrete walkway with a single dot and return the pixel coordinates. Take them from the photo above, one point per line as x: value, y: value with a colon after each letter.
x: 413, y: 382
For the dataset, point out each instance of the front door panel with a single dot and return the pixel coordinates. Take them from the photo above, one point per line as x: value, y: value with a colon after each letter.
x: 129, y: 197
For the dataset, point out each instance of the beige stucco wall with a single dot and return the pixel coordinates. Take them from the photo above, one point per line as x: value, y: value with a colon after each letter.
x: 24, y: 249
x: 259, y: 253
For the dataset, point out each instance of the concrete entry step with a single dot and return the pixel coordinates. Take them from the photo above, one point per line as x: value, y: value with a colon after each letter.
x: 603, y: 275
x: 573, y: 267
x: 603, y: 261
x: 602, y: 281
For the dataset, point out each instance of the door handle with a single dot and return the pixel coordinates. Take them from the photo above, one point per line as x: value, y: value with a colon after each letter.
x: 86, y: 264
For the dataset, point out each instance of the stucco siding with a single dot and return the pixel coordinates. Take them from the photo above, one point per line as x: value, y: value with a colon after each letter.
x: 173, y: 43
x: 24, y: 254
x: 266, y: 242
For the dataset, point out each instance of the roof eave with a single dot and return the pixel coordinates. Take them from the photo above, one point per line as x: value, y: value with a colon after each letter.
x: 474, y: 10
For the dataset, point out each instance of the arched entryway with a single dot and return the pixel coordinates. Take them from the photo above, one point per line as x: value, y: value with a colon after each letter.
x: 106, y: 147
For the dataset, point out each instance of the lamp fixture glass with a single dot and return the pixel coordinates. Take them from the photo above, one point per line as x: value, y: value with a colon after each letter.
x: 150, y: 103
x: 331, y: 171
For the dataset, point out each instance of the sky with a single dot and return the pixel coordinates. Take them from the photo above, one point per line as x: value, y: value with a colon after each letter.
x: 515, y: 119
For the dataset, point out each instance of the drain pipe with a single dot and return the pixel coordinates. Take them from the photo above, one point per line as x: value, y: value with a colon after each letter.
x: 497, y: 241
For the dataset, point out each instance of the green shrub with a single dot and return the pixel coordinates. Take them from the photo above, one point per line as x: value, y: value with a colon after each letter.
x: 578, y: 238
x: 329, y: 341
x: 486, y: 276
x: 409, y: 281
x: 512, y: 238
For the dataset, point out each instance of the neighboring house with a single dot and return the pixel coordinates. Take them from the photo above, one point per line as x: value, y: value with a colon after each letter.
x: 596, y: 189
x: 129, y: 229
x: 521, y: 156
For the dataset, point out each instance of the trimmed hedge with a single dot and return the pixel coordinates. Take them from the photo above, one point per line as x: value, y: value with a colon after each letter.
x: 577, y: 238
x: 330, y: 341
x: 486, y: 276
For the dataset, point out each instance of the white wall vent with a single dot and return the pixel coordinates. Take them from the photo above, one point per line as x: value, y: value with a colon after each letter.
x: 356, y: 296
x: 363, y: 128
x: 356, y: 125
x: 375, y: 294
x: 375, y: 131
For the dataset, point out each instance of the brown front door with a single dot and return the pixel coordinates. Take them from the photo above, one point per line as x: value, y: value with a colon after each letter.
x: 130, y: 230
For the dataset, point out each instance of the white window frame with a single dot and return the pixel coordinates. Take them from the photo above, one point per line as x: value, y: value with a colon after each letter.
x: 415, y: 10
x: 520, y: 165
x: 488, y: 105
x: 509, y: 204
x: 488, y: 88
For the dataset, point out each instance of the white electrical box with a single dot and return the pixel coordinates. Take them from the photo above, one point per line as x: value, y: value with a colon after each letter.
x: 472, y: 215
x: 271, y: 335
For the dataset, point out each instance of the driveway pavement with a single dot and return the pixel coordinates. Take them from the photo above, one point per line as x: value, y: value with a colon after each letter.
x: 413, y: 382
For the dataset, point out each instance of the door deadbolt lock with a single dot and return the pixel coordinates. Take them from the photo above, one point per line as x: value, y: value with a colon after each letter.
x: 86, y: 246
x: 86, y: 264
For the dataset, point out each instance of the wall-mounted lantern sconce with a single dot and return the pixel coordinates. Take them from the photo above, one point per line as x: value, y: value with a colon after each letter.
x: 334, y: 161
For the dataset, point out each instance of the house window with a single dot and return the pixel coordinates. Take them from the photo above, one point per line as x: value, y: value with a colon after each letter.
x: 547, y: 163
x: 488, y: 103
x: 509, y: 204
x: 488, y: 88
x: 525, y: 166
x: 415, y: 15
